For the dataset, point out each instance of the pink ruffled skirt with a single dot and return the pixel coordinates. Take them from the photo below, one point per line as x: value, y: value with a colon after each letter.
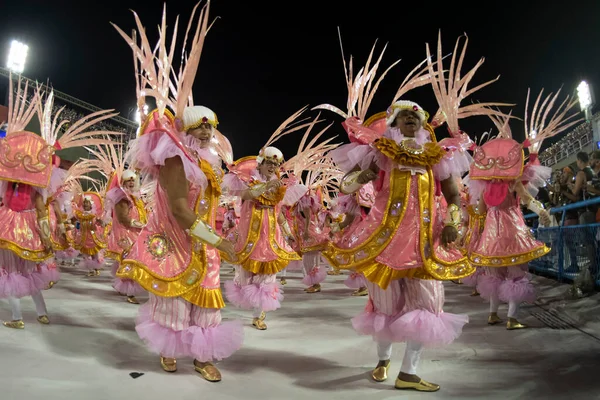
x: 20, y: 278
x: 172, y: 327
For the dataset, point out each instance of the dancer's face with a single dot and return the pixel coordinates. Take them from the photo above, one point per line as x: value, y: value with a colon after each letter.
x: 130, y: 184
x: 204, y: 134
x: 87, y: 205
x: 408, y: 122
x: 267, y: 168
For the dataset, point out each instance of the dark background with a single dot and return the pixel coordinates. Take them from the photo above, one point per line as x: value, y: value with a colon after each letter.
x: 263, y: 60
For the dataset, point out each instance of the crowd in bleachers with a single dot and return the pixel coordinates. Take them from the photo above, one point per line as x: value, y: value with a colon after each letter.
x: 569, y: 144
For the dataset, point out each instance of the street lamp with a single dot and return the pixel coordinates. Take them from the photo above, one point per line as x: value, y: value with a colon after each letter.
x: 138, y: 117
x: 586, y: 101
x: 17, y: 56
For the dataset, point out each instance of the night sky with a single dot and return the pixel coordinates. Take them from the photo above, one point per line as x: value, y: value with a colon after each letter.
x: 263, y: 60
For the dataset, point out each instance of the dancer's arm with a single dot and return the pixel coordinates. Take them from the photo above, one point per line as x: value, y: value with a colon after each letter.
x: 533, y: 204
x: 306, y: 212
x: 122, y: 211
x: 43, y: 221
x: 453, y: 214
x: 173, y: 180
x: 356, y: 178
x: 257, y: 190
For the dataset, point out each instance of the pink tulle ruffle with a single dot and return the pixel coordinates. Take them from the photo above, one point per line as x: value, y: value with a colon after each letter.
x: 293, y: 193
x: 476, y: 188
x: 487, y: 286
x: 263, y: 296
x: 471, y: 280
x: 20, y: 285
x: 315, y: 276
x: 295, y: 265
x: 214, y: 343
x: 45, y: 273
x: 90, y: 264
x: 377, y: 325
x: 163, y: 341
x: 356, y: 281
x: 519, y: 291
x: 152, y: 149
x: 233, y: 184
x: 128, y: 287
x: 536, y: 177
x: 455, y: 163
x: 233, y: 293
x: 428, y: 328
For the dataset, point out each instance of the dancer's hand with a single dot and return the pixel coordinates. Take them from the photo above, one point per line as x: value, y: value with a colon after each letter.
x: 273, y: 185
x: 47, y: 244
x: 449, y: 235
x: 545, y: 219
x: 227, y: 247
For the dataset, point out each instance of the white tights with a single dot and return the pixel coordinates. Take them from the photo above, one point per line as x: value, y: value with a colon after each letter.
x: 412, y: 355
x: 513, y: 306
x: 38, y: 300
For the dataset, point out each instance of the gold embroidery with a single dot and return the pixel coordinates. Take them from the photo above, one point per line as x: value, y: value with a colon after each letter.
x: 408, y: 152
x: 510, y: 260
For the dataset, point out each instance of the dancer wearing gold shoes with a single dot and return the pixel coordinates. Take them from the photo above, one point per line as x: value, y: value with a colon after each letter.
x: 177, y: 255
x: 262, y: 248
x: 404, y: 247
x: 27, y: 263
x: 89, y: 239
x: 499, y: 182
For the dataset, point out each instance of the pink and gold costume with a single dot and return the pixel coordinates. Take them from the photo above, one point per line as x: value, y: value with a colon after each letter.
x: 500, y: 181
x: 261, y: 247
x: 181, y: 273
x: 90, y: 238
x: 121, y: 236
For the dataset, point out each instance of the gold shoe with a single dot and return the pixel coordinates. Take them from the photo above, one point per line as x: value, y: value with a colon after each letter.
x: 421, y: 386
x: 379, y: 374
x: 494, y: 319
x: 91, y: 273
x: 132, y: 300
x: 43, y: 319
x: 168, y: 364
x: 314, y: 288
x: 259, y: 324
x: 360, y: 292
x: 208, y: 371
x: 19, y: 324
x: 513, y: 324
x: 283, y: 281
x: 50, y: 285
x: 334, y: 272
x: 474, y: 293
x: 97, y: 272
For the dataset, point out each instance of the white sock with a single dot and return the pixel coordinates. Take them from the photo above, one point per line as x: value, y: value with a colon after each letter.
x: 513, y: 309
x: 15, y: 305
x: 412, y: 355
x: 384, y: 350
x: 256, y: 313
x: 284, y: 273
x: 494, y: 303
x: 40, y: 304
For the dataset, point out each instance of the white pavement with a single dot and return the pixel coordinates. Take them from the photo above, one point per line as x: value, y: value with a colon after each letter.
x: 309, y: 351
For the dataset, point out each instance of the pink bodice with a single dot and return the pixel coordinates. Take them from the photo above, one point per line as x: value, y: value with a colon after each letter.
x: 122, y: 237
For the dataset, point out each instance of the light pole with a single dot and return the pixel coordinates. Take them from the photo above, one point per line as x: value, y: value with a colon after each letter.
x: 17, y: 56
x: 586, y: 100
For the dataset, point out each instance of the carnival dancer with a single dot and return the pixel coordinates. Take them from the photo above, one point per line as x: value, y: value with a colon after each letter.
x: 90, y: 239
x: 310, y: 231
x: 404, y: 247
x: 26, y: 255
x: 176, y: 256
x: 499, y: 181
x: 262, y: 248
x: 125, y: 212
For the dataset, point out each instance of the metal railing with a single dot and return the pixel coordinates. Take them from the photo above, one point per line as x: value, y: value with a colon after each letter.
x: 575, y: 248
x: 569, y: 145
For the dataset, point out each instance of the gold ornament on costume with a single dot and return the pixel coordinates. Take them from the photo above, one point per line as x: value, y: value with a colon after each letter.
x: 158, y: 246
x: 270, y: 198
x: 408, y: 152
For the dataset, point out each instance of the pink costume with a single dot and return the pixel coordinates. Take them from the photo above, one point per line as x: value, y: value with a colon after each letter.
x: 312, y: 241
x: 29, y: 178
x: 90, y: 238
x: 261, y: 247
x: 63, y: 244
x: 500, y: 181
x: 183, y: 315
x: 122, y: 237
